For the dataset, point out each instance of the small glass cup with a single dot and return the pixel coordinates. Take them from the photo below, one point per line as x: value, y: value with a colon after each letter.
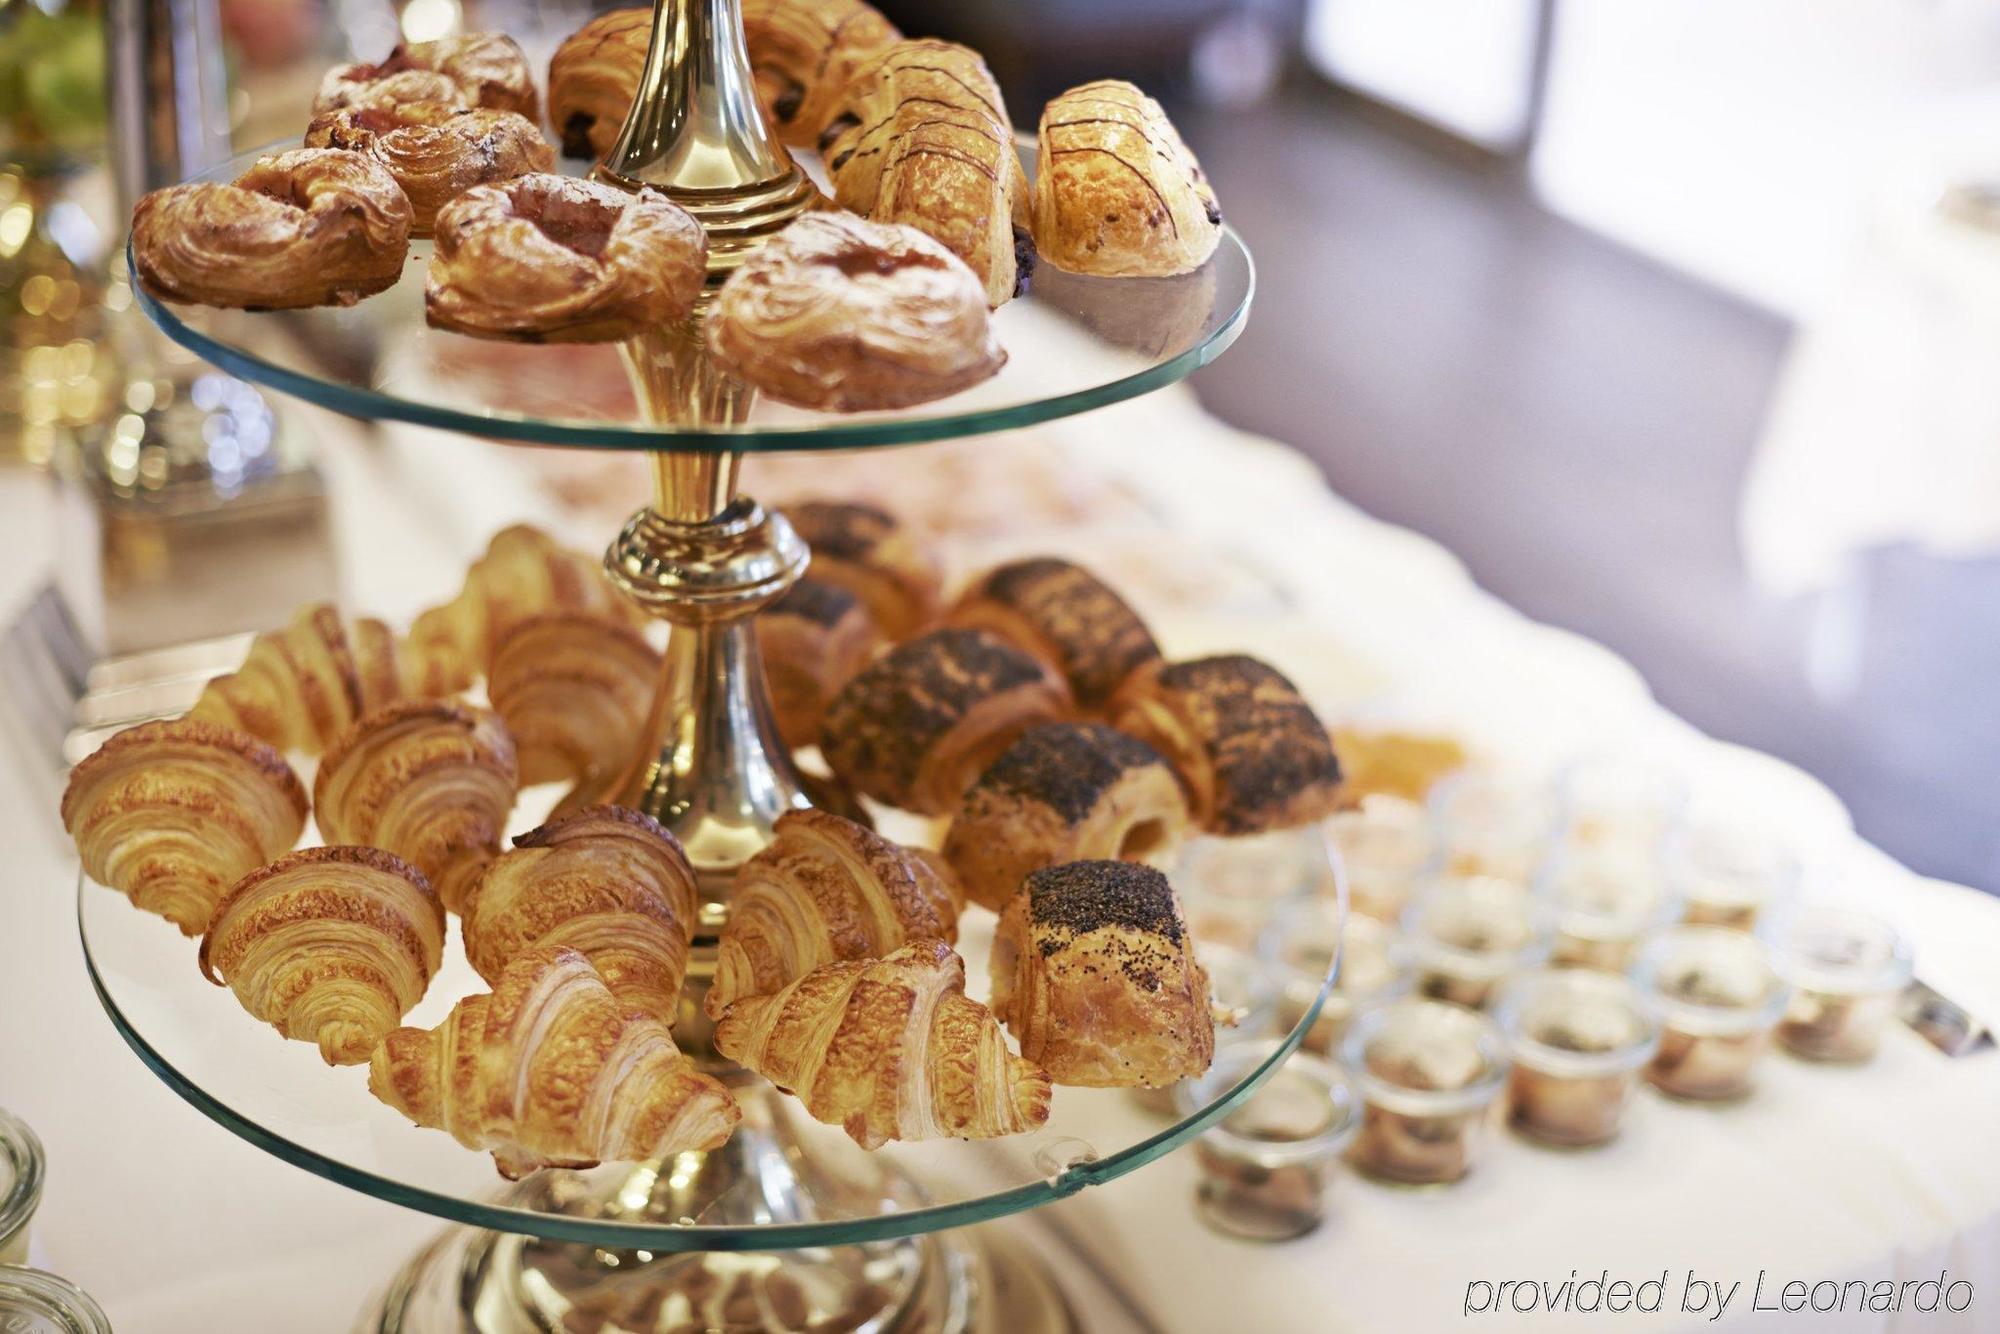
x: 1243, y: 995
x: 1487, y: 825
x: 1606, y: 899
x: 1620, y: 801
x: 1384, y: 845
x: 37, y: 1303
x: 1231, y: 888
x: 1726, y: 876
x: 1718, y: 998
x: 1266, y: 1166
x: 1468, y: 934
x: 1429, y: 1074
x: 1578, y: 1040
x: 1373, y: 966
x: 21, y: 1166
x: 1848, y: 971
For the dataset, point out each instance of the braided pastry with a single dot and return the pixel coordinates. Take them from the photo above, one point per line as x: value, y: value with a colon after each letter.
x: 329, y: 945
x: 302, y: 686
x: 435, y: 150
x: 482, y: 69
x: 592, y: 79
x: 608, y: 882
x: 171, y: 814
x: 1065, y: 616
x: 824, y: 890
x: 813, y: 640
x: 872, y: 555
x: 552, y: 1070
x: 889, y: 1048
x: 574, y: 689
x: 429, y: 780
x: 804, y: 53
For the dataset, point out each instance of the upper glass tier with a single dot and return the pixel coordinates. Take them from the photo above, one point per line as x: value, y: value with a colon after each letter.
x: 1073, y: 344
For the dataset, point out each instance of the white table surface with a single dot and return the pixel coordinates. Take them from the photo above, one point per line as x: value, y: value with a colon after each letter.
x: 1883, y: 1173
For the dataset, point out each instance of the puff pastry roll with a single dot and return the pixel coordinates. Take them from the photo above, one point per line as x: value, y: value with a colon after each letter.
x: 1116, y: 191
x: 921, y: 136
x: 1251, y: 753
x: 871, y: 554
x: 804, y: 53
x: 922, y: 722
x: 430, y: 780
x: 574, y: 690
x: 330, y: 945
x: 484, y: 69
x: 608, y: 882
x: 435, y: 150
x: 825, y: 890
x: 552, y: 1070
x: 302, y: 686
x: 889, y: 1049
x: 592, y: 79
x: 1095, y: 975
x: 1065, y: 792
x: 171, y: 814
x: 813, y: 640
x: 1065, y: 616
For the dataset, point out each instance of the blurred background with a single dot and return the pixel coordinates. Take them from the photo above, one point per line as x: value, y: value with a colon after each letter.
x: 1678, y: 320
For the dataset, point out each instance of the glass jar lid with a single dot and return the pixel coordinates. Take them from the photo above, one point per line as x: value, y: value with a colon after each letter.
x: 20, y: 1176
x: 1709, y: 980
x: 32, y: 1302
x: 1576, y: 1022
x: 1425, y: 1057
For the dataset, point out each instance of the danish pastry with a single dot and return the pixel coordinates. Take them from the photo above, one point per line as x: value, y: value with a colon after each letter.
x: 804, y: 53
x: 484, y: 69
x: 813, y: 641
x: 921, y: 723
x: 1065, y: 616
x: 1116, y: 191
x: 845, y: 315
x: 889, y: 1049
x: 309, y: 227
x: 1065, y: 792
x: 329, y: 945
x: 171, y: 814
x: 435, y: 150
x: 869, y: 553
x: 920, y: 136
x: 302, y: 686
x: 545, y: 258
x: 1095, y: 975
x: 1251, y: 754
x: 574, y: 690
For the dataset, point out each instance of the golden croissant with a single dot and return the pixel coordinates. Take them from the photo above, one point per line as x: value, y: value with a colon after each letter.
x: 574, y: 690
x: 302, y: 686
x: 551, y: 1070
x: 890, y: 1049
x: 608, y: 882
x: 429, y: 780
x: 172, y: 814
x: 328, y: 945
x: 825, y: 890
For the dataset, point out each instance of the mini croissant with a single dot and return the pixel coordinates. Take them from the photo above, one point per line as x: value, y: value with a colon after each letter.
x: 574, y: 690
x: 429, y: 780
x: 172, y: 814
x: 608, y: 882
x: 550, y: 1070
x: 302, y: 686
x: 328, y: 945
x: 825, y: 890
x: 890, y: 1049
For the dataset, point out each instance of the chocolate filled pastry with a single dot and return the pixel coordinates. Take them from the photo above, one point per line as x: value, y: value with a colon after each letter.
x: 813, y: 640
x: 1094, y: 973
x: 804, y: 53
x: 921, y: 136
x: 592, y: 79
x: 435, y: 150
x: 880, y: 560
x: 553, y: 259
x: 1066, y: 792
x: 1250, y: 751
x: 845, y: 315
x: 1116, y: 191
x: 309, y: 227
x: 919, y: 726
x: 1064, y: 615
x: 482, y: 69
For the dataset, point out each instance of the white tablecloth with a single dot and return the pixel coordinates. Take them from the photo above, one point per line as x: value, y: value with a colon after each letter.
x: 1886, y: 1173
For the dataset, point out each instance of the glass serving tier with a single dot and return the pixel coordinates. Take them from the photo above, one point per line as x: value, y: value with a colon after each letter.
x: 1073, y: 343
x: 784, y: 1182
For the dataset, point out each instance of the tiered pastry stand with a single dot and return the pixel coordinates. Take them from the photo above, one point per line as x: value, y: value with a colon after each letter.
x: 790, y: 1226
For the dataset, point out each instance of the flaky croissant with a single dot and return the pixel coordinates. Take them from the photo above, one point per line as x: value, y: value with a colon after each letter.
x: 302, y: 686
x: 608, y: 882
x: 888, y: 1049
x: 825, y: 890
x: 172, y: 814
x: 430, y: 780
x: 574, y: 690
x: 552, y: 1070
x: 329, y: 945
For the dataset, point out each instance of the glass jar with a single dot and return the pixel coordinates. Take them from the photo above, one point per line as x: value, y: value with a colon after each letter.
x: 1717, y: 998
x: 1578, y: 1040
x: 1726, y: 876
x: 32, y: 1302
x: 1620, y: 801
x: 1384, y: 845
x: 1265, y: 1167
x: 1847, y: 971
x: 1428, y: 1073
x: 1468, y: 934
x: 1230, y: 888
x: 1489, y: 825
x: 20, y: 1187
x: 1300, y: 945
x: 1606, y: 899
